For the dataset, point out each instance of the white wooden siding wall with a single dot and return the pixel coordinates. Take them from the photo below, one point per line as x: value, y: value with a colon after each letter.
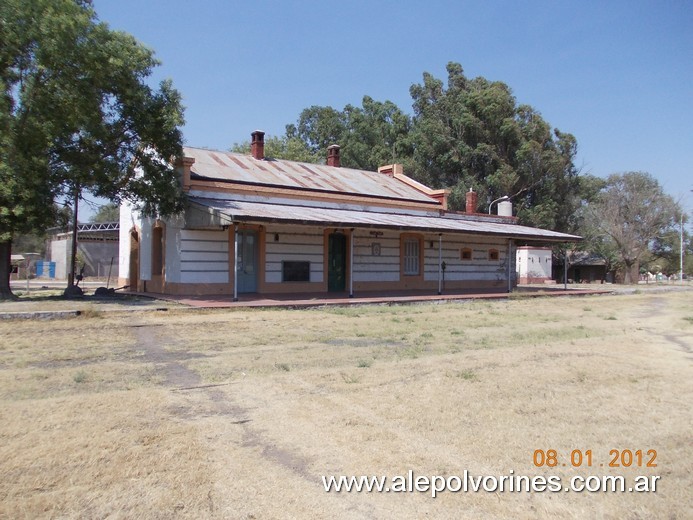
x: 478, y: 268
x: 543, y: 262
x: 294, y: 244
x: 534, y: 263
x: 172, y: 253
x: 373, y: 268
x: 204, y: 256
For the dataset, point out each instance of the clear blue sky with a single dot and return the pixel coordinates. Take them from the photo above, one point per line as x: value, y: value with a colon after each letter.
x: 616, y: 74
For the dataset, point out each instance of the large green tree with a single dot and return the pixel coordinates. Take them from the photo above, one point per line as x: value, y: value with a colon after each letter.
x: 666, y: 249
x: 107, y: 213
x: 76, y: 114
x: 626, y: 219
x: 374, y: 134
x: 282, y: 147
x: 471, y: 133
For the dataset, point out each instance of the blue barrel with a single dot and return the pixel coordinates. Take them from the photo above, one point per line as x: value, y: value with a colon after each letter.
x: 45, y: 269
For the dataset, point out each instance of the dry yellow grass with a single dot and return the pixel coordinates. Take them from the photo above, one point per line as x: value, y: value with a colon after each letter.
x: 238, y: 414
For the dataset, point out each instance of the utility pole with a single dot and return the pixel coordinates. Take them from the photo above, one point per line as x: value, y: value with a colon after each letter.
x: 681, y: 247
x: 681, y: 250
x: 72, y: 289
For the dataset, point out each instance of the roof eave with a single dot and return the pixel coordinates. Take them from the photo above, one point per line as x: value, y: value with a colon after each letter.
x: 433, y: 230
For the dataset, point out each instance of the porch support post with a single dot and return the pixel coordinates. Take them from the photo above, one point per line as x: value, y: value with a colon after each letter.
x: 440, y: 263
x: 565, y: 269
x: 351, y: 264
x: 235, y: 262
x: 510, y: 265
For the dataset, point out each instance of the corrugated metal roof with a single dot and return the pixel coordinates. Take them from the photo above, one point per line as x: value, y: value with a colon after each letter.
x: 234, y: 167
x: 243, y: 211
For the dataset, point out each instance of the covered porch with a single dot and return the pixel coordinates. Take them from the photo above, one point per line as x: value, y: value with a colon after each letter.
x: 307, y: 253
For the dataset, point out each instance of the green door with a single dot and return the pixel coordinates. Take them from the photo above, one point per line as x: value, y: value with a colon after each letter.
x: 246, y: 267
x: 336, y: 262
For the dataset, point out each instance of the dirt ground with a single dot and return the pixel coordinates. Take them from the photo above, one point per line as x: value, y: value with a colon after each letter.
x: 240, y: 413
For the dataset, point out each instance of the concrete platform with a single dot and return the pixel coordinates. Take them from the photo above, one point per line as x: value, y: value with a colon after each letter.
x: 306, y: 300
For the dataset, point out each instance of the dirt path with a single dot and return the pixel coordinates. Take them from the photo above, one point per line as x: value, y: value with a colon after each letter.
x: 197, y: 401
x: 656, y: 311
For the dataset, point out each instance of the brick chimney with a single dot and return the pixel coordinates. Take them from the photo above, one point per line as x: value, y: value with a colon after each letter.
x: 333, y: 155
x: 472, y: 199
x: 257, y: 144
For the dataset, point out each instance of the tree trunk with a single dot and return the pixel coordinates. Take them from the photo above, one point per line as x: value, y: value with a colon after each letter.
x: 72, y: 290
x: 635, y: 272
x: 5, y: 270
x: 631, y: 273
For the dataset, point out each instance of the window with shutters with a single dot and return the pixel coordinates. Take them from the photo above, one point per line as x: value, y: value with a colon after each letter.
x: 411, y: 257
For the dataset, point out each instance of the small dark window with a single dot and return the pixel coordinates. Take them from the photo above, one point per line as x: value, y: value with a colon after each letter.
x: 295, y: 271
x: 466, y: 254
x: 493, y: 254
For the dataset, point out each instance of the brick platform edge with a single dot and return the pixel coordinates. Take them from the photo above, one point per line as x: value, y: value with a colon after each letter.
x: 309, y: 300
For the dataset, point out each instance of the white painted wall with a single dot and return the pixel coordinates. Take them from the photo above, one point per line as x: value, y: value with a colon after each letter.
x: 128, y: 217
x: 172, y: 240
x: 60, y: 254
x: 296, y: 243
x: 376, y: 268
x: 386, y: 267
x: 534, y: 262
x: 204, y: 255
x: 479, y: 267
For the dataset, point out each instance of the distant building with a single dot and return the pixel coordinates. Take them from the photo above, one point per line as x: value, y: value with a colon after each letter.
x: 534, y: 264
x: 585, y: 267
x: 23, y: 265
x: 18, y: 266
x: 97, y: 250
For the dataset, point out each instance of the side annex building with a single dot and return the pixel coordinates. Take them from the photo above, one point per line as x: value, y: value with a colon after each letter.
x: 257, y: 225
